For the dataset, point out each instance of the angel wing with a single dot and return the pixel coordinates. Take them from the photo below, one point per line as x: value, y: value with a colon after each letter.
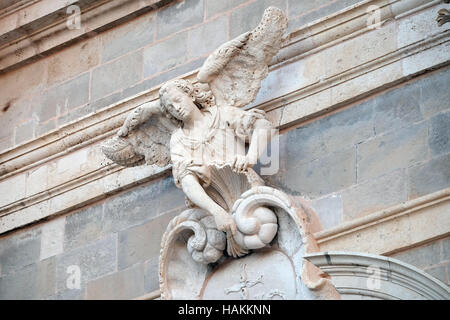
x: 146, y: 140
x: 235, y: 70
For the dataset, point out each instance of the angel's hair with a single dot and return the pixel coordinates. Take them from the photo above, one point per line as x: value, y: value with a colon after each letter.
x: 200, y: 93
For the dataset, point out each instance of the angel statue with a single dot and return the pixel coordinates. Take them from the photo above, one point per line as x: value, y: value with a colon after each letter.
x: 202, y: 130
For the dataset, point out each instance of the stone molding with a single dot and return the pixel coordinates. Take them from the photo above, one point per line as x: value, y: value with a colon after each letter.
x: 405, y: 225
x: 38, y: 28
x: 388, y: 278
x: 106, y: 178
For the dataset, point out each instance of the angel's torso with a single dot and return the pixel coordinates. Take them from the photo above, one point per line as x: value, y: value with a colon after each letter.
x: 217, y: 144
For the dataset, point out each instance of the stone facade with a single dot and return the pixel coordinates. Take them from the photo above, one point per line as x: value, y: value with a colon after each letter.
x: 363, y: 115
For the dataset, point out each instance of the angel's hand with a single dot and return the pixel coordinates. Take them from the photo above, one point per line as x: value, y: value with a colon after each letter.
x: 127, y: 126
x: 225, y: 222
x: 260, y: 114
x: 241, y: 163
x: 123, y: 131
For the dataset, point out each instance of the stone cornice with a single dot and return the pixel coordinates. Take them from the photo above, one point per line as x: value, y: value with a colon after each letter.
x: 395, y: 222
x: 351, y: 271
x: 30, y: 30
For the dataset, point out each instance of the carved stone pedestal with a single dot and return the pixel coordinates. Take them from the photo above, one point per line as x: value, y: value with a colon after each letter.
x: 277, y: 271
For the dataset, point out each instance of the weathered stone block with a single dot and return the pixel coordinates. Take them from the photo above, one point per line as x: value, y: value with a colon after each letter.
x: 329, y: 209
x: 43, y: 128
x: 214, y: 7
x: 163, y: 77
x: 91, y: 261
x: 429, y: 177
x: 24, y: 132
x: 179, y: 16
x: 338, y: 131
x: 119, y: 74
x: 322, y: 7
x: 439, y: 273
x: 374, y: 195
x: 36, y: 180
x: 418, y: 26
x: 67, y: 168
x: 73, y: 61
x: 170, y: 197
x: 6, y: 143
x: 64, y: 97
x: 308, y: 11
x: 104, y: 102
x: 132, y: 207
x: 69, y: 295
x: 165, y: 55
x: 74, y: 114
x: 52, y: 238
x: 19, y: 250
x: 434, y: 91
x: 12, y: 189
x: 421, y: 257
x: 129, y: 37
x: 322, y: 176
x: 36, y: 281
x: 143, y: 242
x: 445, y: 249
x: 398, y: 149
x: 397, y: 108
x: 83, y: 227
x: 125, y: 284
x: 439, y: 135
x: 151, y: 281
x: 248, y: 17
x: 31, y: 78
x: 207, y: 37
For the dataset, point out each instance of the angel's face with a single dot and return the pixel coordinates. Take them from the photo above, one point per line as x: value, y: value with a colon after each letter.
x: 179, y: 104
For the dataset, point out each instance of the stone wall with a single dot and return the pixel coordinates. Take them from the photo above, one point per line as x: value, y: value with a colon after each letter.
x: 350, y: 162
x: 372, y: 155
x: 114, y: 243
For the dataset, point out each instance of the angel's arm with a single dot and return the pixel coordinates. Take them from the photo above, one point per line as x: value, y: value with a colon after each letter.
x: 138, y: 116
x: 220, y: 58
x: 195, y: 192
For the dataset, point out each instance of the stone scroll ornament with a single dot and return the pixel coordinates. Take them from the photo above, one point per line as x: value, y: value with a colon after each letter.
x: 202, y: 130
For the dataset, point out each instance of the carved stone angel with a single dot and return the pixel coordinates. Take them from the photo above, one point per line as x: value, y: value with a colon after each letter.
x: 201, y: 128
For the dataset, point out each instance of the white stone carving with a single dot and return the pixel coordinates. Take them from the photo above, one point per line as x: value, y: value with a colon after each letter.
x: 369, y: 276
x: 202, y: 130
x: 244, y: 284
x: 276, y: 271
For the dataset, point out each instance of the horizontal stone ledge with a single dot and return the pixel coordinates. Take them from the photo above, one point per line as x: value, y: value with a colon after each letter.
x: 384, y: 232
x: 31, y: 17
x: 44, y: 29
x: 102, y: 122
x: 70, y: 196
